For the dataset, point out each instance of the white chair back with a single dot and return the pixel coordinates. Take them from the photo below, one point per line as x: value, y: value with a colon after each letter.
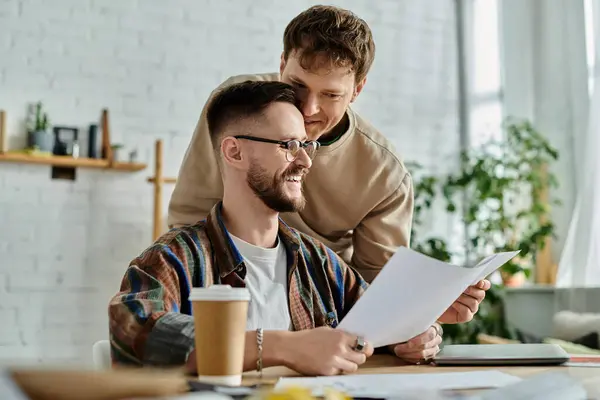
x: 101, y: 355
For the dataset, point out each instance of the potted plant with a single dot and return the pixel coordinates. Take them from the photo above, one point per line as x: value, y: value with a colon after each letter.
x: 39, y: 136
x: 503, y: 182
x: 115, y: 150
x: 503, y: 210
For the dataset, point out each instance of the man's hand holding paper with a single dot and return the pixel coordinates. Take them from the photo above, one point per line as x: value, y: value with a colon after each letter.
x: 467, y: 305
x: 426, y: 345
x: 422, y: 347
x: 395, y: 312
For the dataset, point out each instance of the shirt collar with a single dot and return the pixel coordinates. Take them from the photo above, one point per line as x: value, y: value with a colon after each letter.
x: 228, y: 258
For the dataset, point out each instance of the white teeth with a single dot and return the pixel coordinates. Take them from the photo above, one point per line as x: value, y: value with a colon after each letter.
x: 295, y: 178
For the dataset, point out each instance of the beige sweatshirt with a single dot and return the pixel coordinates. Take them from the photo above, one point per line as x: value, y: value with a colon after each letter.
x: 359, y: 194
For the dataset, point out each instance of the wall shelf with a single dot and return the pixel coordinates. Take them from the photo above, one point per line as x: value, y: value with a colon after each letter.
x: 70, y: 162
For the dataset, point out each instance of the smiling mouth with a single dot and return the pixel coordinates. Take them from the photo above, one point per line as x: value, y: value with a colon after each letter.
x: 294, y: 178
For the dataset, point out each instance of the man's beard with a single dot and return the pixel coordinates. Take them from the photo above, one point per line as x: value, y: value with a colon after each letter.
x: 270, y: 189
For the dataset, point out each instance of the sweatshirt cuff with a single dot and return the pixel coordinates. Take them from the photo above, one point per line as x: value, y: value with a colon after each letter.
x: 171, y: 340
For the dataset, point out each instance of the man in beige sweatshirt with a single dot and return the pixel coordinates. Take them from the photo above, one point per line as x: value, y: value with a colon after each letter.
x: 359, y: 195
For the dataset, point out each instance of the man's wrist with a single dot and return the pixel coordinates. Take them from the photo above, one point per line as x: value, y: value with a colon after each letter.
x: 276, y: 348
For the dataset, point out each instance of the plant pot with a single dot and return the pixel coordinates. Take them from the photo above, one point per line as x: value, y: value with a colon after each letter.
x: 514, y: 280
x: 41, y: 140
x: 116, y: 155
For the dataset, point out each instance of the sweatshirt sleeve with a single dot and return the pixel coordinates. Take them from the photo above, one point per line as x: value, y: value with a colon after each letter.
x: 383, y: 230
x: 199, y: 184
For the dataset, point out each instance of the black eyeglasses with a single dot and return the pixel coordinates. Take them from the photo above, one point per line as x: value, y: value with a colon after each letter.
x: 292, y: 146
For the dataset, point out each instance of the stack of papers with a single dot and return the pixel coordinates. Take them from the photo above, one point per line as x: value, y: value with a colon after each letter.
x: 438, y: 386
x: 584, y: 360
x: 410, y: 293
x: 392, y: 385
x: 546, y: 386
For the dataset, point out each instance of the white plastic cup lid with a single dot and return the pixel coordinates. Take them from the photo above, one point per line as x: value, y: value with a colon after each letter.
x: 219, y: 293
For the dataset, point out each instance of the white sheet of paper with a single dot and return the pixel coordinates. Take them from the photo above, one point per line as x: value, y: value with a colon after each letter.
x: 582, y: 364
x: 410, y: 293
x: 555, y: 385
x: 389, y: 385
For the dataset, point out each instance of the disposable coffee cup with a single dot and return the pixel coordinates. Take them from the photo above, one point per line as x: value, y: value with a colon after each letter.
x: 220, y: 313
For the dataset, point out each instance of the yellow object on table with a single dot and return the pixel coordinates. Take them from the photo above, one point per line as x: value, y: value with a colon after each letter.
x: 297, y: 393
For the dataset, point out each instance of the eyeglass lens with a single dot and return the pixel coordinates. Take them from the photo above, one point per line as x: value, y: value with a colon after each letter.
x: 294, y: 147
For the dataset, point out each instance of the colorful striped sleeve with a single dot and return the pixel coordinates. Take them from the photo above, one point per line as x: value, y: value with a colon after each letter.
x: 349, y: 282
x: 146, y: 325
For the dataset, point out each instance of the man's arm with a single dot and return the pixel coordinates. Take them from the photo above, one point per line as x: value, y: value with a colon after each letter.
x: 145, y: 325
x: 383, y: 230
x: 313, y: 352
x: 274, y: 348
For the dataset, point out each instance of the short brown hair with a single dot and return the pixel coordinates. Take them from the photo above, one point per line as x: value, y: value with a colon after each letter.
x: 344, y: 38
x: 247, y: 99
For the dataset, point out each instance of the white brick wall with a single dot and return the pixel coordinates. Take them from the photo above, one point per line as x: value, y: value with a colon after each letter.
x: 64, y: 245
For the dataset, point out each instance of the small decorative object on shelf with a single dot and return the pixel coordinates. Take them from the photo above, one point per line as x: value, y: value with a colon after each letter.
x: 39, y: 136
x: 2, y: 131
x: 93, y: 141
x: 66, y: 141
x: 116, y: 153
x: 104, y: 125
x: 133, y: 156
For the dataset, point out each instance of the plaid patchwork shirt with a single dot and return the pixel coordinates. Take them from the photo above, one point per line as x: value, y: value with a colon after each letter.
x: 150, y: 320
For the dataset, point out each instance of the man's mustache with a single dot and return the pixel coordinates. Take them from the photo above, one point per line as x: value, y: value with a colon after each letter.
x: 296, y: 171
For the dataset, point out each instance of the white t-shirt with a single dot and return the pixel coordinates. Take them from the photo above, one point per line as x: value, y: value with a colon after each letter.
x: 266, y: 279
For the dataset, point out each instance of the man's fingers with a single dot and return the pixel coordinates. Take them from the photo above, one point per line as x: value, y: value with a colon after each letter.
x: 474, y: 292
x: 416, y: 347
x: 467, y: 301
x: 432, y: 343
x: 367, y: 350
x: 431, y: 352
x: 463, y: 313
x: 484, y: 284
x: 357, y: 357
x: 424, y: 337
x: 345, y: 365
x: 419, y: 355
x: 421, y: 339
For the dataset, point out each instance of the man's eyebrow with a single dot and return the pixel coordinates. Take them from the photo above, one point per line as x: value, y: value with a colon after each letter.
x: 297, y: 80
x: 291, y: 136
x: 301, y: 82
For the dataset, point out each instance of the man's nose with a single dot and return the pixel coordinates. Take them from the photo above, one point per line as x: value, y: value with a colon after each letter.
x: 303, y: 160
x: 310, y: 105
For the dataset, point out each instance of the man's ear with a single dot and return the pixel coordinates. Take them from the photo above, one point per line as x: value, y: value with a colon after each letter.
x: 358, y: 89
x: 281, y: 65
x: 231, y: 151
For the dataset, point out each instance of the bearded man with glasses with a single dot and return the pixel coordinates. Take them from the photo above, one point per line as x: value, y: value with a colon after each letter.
x: 264, y: 156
